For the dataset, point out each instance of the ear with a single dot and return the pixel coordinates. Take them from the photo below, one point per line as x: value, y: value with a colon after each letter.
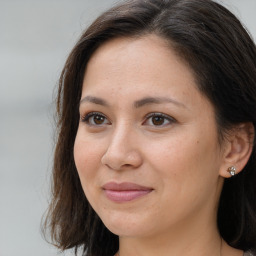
x: 237, y: 149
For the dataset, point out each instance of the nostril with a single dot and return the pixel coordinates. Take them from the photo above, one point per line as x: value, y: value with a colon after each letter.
x: 127, y: 165
x: 120, y: 160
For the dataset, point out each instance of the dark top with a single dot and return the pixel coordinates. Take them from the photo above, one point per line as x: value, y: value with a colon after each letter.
x: 248, y: 253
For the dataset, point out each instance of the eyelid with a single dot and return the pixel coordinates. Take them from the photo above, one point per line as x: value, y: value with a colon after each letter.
x: 85, y: 118
x: 167, y: 117
x: 88, y: 115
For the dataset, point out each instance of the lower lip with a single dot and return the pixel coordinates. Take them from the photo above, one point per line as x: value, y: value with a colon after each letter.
x: 125, y: 196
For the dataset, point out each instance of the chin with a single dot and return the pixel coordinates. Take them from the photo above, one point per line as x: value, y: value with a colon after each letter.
x: 126, y: 225
x: 126, y: 231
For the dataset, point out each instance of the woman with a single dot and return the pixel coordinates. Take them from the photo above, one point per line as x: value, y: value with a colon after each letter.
x: 156, y: 134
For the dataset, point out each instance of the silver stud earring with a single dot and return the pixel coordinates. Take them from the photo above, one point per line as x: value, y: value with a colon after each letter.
x: 232, y: 171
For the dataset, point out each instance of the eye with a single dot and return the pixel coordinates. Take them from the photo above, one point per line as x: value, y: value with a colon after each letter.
x: 95, y: 119
x: 158, y: 119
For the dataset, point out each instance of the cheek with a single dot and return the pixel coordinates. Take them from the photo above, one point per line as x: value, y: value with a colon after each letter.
x: 185, y: 181
x: 86, y: 158
x: 172, y: 155
x: 186, y: 162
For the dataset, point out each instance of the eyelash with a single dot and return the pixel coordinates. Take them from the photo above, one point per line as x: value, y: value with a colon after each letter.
x: 86, y: 119
x: 161, y: 115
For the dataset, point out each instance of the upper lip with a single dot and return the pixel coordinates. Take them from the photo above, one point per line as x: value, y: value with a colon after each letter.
x: 124, y: 186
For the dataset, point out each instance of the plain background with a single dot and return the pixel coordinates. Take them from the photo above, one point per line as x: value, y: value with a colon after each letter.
x: 35, y: 39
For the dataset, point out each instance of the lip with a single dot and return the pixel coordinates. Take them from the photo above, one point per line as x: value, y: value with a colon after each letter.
x: 124, y: 192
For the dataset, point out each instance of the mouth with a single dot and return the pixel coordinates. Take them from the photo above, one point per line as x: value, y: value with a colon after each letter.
x: 124, y: 192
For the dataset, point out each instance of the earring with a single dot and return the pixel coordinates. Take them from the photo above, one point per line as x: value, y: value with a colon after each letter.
x: 232, y: 171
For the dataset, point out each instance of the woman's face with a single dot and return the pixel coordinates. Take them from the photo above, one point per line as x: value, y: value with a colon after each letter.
x: 146, y: 149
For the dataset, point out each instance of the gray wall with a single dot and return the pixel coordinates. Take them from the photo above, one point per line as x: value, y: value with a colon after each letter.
x: 35, y: 38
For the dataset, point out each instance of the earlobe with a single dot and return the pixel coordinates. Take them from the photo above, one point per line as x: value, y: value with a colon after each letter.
x: 232, y: 171
x: 238, y: 150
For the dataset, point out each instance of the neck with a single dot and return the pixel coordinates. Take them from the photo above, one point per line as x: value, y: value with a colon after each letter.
x: 191, y: 240
x: 225, y: 250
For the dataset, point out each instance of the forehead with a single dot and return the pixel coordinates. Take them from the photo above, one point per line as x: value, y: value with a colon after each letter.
x: 148, y: 58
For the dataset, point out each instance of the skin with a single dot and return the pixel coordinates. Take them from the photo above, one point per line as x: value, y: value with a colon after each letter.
x: 178, y: 157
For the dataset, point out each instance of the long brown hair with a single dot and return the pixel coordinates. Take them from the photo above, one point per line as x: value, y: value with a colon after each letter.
x: 223, y: 57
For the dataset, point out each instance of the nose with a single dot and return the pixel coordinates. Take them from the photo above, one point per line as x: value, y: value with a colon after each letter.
x: 122, y: 151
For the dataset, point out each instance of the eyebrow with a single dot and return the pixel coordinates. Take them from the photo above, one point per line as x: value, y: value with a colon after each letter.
x: 137, y: 104
x: 156, y: 100
x: 94, y: 100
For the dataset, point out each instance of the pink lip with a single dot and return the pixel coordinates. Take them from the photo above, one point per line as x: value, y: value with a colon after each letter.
x: 123, y: 192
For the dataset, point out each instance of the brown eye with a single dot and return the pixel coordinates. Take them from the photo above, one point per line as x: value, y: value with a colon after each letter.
x: 95, y: 119
x: 158, y: 120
